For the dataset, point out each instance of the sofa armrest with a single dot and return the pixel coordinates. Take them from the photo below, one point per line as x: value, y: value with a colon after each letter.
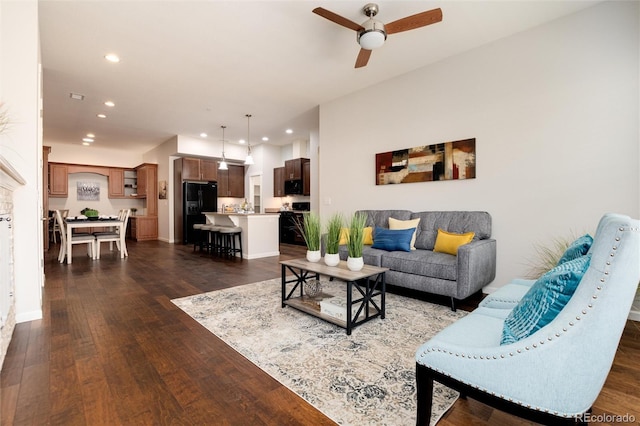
x: 476, y: 266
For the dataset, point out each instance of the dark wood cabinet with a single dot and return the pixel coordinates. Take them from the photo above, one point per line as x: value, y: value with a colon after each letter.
x: 231, y: 182
x: 278, y: 181
x: 58, y: 180
x: 209, y: 170
x: 293, y: 168
x: 199, y: 169
x: 306, y: 178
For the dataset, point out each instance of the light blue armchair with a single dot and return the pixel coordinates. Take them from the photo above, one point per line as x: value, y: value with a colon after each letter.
x: 554, y: 375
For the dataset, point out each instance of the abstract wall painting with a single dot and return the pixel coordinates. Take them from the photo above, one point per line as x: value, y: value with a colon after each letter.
x: 88, y: 191
x: 444, y: 161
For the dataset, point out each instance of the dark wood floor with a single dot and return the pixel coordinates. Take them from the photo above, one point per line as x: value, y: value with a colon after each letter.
x: 112, y: 349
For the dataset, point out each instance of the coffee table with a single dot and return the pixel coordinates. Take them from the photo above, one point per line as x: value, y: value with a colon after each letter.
x: 368, y: 283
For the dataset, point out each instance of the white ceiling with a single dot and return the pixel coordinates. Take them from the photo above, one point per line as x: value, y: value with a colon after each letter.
x: 191, y: 66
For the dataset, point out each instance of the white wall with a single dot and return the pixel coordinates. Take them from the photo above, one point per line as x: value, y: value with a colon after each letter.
x: 21, y: 145
x: 554, y: 111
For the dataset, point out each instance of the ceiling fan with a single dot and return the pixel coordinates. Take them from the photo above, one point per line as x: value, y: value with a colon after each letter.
x: 373, y: 33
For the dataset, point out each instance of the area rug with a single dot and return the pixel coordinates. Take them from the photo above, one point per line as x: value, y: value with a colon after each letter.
x: 367, y: 378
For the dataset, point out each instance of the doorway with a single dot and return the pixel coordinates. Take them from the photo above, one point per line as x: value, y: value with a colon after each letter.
x: 255, y: 192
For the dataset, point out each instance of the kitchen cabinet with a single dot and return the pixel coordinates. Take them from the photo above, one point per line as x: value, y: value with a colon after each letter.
x: 278, y: 181
x: 147, y: 181
x: 306, y: 178
x: 143, y: 228
x: 199, y: 169
x: 58, y: 180
x: 293, y: 168
x: 116, y: 183
x: 231, y: 182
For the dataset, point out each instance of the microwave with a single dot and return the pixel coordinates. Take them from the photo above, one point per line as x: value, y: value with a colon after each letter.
x: 293, y: 187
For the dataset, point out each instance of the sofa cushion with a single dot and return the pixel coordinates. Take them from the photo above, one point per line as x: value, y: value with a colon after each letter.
x: 459, y: 222
x: 544, y: 301
x: 381, y: 217
x: 393, y: 239
x: 367, y: 236
x: 448, y: 242
x: 422, y: 262
x: 578, y: 248
x: 406, y: 224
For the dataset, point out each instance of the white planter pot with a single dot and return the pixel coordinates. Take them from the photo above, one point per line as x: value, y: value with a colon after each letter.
x: 332, y: 259
x: 355, y: 263
x: 314, y: 256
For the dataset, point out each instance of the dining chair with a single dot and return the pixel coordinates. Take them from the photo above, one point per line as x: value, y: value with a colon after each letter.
x: 75, y: 239
x: 56, y: 226
x: 111, y: 237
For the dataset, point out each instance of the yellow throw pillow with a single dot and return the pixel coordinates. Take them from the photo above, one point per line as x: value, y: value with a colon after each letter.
x: 367, y: 239
x: 406, y: 224
x: 344, y: 236
x: 448, y: 242
x: 368, y: 236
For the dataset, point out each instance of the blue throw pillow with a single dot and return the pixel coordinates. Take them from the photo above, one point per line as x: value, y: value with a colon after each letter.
x: 392, y: 239
x: 544, y: 301
x: 578, y: 248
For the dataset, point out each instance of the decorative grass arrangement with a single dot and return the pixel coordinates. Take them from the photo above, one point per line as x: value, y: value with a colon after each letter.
x: 310, y: 229
x: 334, y: 228
x: 548, y: 255
x: 356, y: 234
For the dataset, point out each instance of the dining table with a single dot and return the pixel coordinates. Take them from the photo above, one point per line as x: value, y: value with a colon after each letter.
x: 72, y: 224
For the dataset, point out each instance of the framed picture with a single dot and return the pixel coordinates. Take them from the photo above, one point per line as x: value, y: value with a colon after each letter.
x: 444, y: 161
x: 88, y: 191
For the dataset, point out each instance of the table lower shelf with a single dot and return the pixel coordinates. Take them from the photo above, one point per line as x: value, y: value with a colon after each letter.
x: 311, y: 306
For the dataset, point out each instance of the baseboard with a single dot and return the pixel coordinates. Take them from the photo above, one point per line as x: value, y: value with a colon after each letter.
x: 29, y: 316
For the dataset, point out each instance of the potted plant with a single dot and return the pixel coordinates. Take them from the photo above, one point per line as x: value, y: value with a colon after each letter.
x: 355, y: 241
x: 334, y: 229
x: 310, y: 230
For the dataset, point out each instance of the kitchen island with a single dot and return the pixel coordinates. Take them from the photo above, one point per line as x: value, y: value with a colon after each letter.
x: 260, y: 236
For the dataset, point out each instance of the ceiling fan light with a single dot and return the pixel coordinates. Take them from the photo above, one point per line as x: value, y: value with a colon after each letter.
x: 371, y: 39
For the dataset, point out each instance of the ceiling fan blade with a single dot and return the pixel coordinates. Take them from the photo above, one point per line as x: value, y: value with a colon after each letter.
x: 333, y: 17
x: 363, y: 58
x: 414, y: 21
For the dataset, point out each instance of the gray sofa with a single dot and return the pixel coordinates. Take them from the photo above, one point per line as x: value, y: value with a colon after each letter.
x: 457, y: 277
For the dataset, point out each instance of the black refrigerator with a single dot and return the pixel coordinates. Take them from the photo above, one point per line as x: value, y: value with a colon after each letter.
x: 197, y: 197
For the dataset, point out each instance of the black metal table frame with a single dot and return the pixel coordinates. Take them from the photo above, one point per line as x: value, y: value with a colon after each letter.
x: 364, y: 287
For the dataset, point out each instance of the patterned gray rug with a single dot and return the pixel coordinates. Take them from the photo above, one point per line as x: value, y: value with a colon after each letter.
x: 367, y: 378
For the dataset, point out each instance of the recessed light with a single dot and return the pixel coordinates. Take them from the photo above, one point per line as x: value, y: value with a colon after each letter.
x: 203, y: 135
x: 87, y: 139
x: 264, y: 138
x: 91, y: 135
x: 112, y: 57
x: 109, y: 104
x: 101, y: 116
x: 76, y: 96
x: 86, y: 143
x: 242, y: 141
x: 288, y: 131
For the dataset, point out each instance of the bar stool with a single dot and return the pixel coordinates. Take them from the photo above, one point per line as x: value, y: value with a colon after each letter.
x: 199, y: 236
x: 228, y: 236
x: 211, y: 235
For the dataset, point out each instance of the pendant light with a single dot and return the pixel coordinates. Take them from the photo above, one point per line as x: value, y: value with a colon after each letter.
x: 223, y: 163
x: 249, y: 159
